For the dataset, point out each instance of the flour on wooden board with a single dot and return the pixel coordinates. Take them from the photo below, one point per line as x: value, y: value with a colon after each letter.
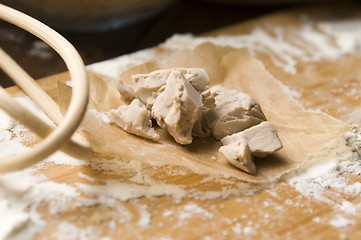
x: 285, y: 52
x: 315, y: 180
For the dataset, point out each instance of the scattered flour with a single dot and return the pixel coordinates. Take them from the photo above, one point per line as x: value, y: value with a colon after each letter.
x: 317, y: 179
x: 126, y: 191
x: 144, y: 216
x: 10, y: 145
x: 347, y: 34
x: 11, y: 219
x: 237, y: 228
x: 348, y: 207
x: 90, y: 179
x: 191, y: 210
x: 61, y: 158
x: 287, y: 53
x: 323, y: 40
x: 6, y: 122
x: 207, y: 238
x: 168, y: 213
x: 22, y: 193
x: 316, y: 219
x: 249, y: 231
x: 100, y: 115
x: 68, y: 231
x: 340, y: 221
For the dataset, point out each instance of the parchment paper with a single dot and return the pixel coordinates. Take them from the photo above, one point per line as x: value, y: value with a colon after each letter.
x: 304, y: 134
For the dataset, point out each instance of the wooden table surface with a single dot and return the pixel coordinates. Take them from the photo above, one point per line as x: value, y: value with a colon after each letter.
x: 280, y: 212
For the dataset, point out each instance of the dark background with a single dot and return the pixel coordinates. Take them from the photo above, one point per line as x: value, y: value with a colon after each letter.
x: 186, y: 16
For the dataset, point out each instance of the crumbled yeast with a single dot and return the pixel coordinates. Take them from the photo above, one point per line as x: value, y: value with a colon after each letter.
x: 180, y: 101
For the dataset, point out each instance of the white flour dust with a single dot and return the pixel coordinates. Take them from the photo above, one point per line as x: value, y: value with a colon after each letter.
x: 69, y: 231
x: 317, y: 178
x: 191, y: 210
x: 22, y: 193
x: 314, y: 42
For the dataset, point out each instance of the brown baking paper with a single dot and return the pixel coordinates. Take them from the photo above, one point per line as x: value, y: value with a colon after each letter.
x: 304, y: 134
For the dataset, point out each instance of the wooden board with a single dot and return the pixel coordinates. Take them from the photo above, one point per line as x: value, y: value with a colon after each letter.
x: 280, y: 212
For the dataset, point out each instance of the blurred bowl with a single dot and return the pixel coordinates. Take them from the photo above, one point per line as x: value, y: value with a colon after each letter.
x: 89, y: 15
x: 262, y: 2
